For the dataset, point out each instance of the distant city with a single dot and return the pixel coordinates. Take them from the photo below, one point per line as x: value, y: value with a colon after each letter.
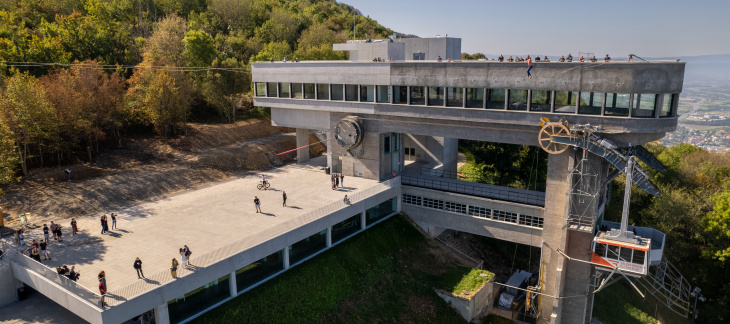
x: 704, y: 109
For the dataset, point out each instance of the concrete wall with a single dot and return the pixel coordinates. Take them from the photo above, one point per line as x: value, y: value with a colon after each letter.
x: 469, y: 309
x: 8, y: 293
x: 366, y: 52
x: 433, y: 47
x: 432, y: 220
x: 310, y: 119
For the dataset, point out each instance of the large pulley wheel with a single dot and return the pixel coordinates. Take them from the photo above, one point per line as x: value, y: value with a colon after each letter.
x: 549, y: 130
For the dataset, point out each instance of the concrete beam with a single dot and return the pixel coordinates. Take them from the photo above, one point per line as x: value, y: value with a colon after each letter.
x: 302, y: 140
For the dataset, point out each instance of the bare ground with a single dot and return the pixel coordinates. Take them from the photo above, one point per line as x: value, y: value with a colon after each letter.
x: 144, y: 169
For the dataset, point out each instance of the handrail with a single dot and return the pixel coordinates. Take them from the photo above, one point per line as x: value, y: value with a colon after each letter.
x: 138, y: 287
x: 480, y: 190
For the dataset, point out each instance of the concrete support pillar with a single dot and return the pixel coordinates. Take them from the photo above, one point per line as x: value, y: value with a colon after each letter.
x: 8, y: 288
x: 286, y: 258
x: 330, y: 145
x: 555, y: 233
x: 161, y: 314
x: 362, y: 220
x: 450, y: 155
x: 232, y: 286
x: 329, y: 236
x: 302, y: 140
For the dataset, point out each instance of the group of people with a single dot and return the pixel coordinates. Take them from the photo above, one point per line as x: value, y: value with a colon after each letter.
x: 338, y: 180
x: 439, y: 59
x: 379, y: 59
x: 71, y: 274
x: 546, y: 59
x: 105, y: 222
x: 284, y: 60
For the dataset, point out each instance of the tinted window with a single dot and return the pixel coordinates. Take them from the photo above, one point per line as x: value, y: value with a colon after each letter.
x: 367, y: 93
x: 323, y: 91
x: 474, y: 98
x: 400, y: 95
x: 540, y: 100
x: 337, y: 92
x: 284, y: 90
x: 617, y: 104
x: 418, y: 96
x: 351, y: 92
x: 495, y: 98
x: 517, y: 100
x: 455, y: 97
x: 383, y: 93
x: 435, y: 96
x: 309, y: 91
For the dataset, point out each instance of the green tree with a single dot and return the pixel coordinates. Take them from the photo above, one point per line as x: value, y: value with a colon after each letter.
x: 224, y: 89
x: 166, y: 43
x: 273, y: 51
x: 8, y: 156
x: 199, y: 48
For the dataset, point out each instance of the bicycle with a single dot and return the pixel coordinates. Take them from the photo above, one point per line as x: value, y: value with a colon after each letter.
x: 263, y: 185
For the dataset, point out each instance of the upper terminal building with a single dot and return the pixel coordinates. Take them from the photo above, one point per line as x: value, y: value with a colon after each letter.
x: 396, y: 108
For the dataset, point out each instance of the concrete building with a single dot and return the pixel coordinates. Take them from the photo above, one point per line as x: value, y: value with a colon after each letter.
x: 406, y: 117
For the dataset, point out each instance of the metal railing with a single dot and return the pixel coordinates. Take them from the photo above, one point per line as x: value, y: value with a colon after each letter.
x: 67, y: 284
x: 476, y: 189
x: 139, y: 287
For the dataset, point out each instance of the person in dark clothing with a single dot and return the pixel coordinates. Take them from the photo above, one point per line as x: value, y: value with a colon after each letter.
x: 73, y: 275
x: 284, y: 197
x: 257, y: 204
x: 59, y: 234
x: 138, y: 267
x: 35, y: 255
x: 44, y: 251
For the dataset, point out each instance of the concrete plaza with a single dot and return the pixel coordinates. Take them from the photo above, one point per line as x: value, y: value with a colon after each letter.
x: 203, y: 219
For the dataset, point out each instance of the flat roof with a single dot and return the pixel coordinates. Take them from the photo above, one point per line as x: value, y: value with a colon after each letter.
x: 204, y: 219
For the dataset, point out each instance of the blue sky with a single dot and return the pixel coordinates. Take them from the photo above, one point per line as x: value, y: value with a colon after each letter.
x: 648, y: 28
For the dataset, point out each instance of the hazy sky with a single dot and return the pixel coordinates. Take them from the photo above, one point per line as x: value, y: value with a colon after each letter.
x: 648, y: 28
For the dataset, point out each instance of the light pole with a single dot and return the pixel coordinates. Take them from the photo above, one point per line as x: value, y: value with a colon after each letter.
x: 696, y: 294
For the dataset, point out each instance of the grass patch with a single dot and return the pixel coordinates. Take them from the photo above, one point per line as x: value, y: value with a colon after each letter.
x: 620, y: 304
x: 463, y: 279
x: 383, y: 275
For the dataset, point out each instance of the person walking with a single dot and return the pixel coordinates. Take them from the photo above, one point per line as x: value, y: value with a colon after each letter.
x: 173, y: 268
x: 74, y: 228
x: 187, y: 251
x: 68, y: 174
x: 257, y: 204
x: 183, y: 258
x: 138, y: 267
x: 45, y: 232
x: 59, y: 234
x: 114, y: 221
x: 44, y: 251
x: 53, y: 230
x: 529, y: 67
x: 284, y: 197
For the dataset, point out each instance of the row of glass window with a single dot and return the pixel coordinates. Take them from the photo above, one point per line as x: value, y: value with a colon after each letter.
x: 619, y: 253
x: 493, y: 214
x: 214, y: 292
x: 566, y: 102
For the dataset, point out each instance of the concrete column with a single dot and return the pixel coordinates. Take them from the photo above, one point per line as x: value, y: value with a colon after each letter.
x: 8, y: 289
x: 161, y: 314
x: 302, y: 140
x: 329, y: 236
x: 554, y: 233
x: 362, y: 220
x: 399, y: 203
x: 330, y: 145
x: 450, y: 157
x: 232, y: 286
x: 286, y: 258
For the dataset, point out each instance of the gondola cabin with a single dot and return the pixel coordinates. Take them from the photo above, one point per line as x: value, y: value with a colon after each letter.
x: 631, y: 251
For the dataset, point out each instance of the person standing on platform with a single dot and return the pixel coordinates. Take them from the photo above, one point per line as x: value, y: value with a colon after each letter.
x: 102, y: 292
x: 45, y: 232
x: 257, y: 204
x: 102, y: 224
x: 74, y: 228
x: 337, y: 180
x: 187, y: 251
x: 53, y: 230
x: 59, y: 234
x: 342, y: 180
x: 114, y: 220
x: 138, y: 267
x: 183, y: 258
x: 529, y: 67
x: 102, y: 277
x: 283, y: 195
x: 173, y: 268
x: 44, y: 251
x: 73, y: 275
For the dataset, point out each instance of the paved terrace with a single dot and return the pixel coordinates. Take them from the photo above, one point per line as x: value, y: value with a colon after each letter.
x: 205, y: 219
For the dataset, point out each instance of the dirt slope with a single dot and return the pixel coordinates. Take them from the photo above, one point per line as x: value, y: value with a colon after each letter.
x: 144, y: 169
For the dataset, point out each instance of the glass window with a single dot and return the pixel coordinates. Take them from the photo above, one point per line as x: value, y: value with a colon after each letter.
x: 198, y: 300
x: 617, y: 104
x: 600, y: 249
x: 474, y: 98
x: 418, y: 97
x: 435, y: 96
x: 626, y: 254
x: 517, y: 100
x: 260, y: 89
x: 612, y: 252
x: 638, y: 257
x: 590, y: 103
x: 308, y: 246
x: 323, y: 91
x: 383, y: 93
x: 259, y: 270
x: 337, y: 92
x: 351, y: 92
x: 367, y: 93
x: 667, y: 104
x: 386, y: 144
x: 646, y: 107
x: 271, y: 88
x: 309, y: 91
x: 376, y: 213
x: 296, y: 91
x: 400, y: 95
x: 284, y: 90
x: 345, y: 228
x: 495, y: 98
x: 540, y: 100
x: 565, y: 101
x: 455, y: 97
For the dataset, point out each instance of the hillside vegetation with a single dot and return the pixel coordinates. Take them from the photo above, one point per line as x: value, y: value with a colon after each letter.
x: 78, y: 75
